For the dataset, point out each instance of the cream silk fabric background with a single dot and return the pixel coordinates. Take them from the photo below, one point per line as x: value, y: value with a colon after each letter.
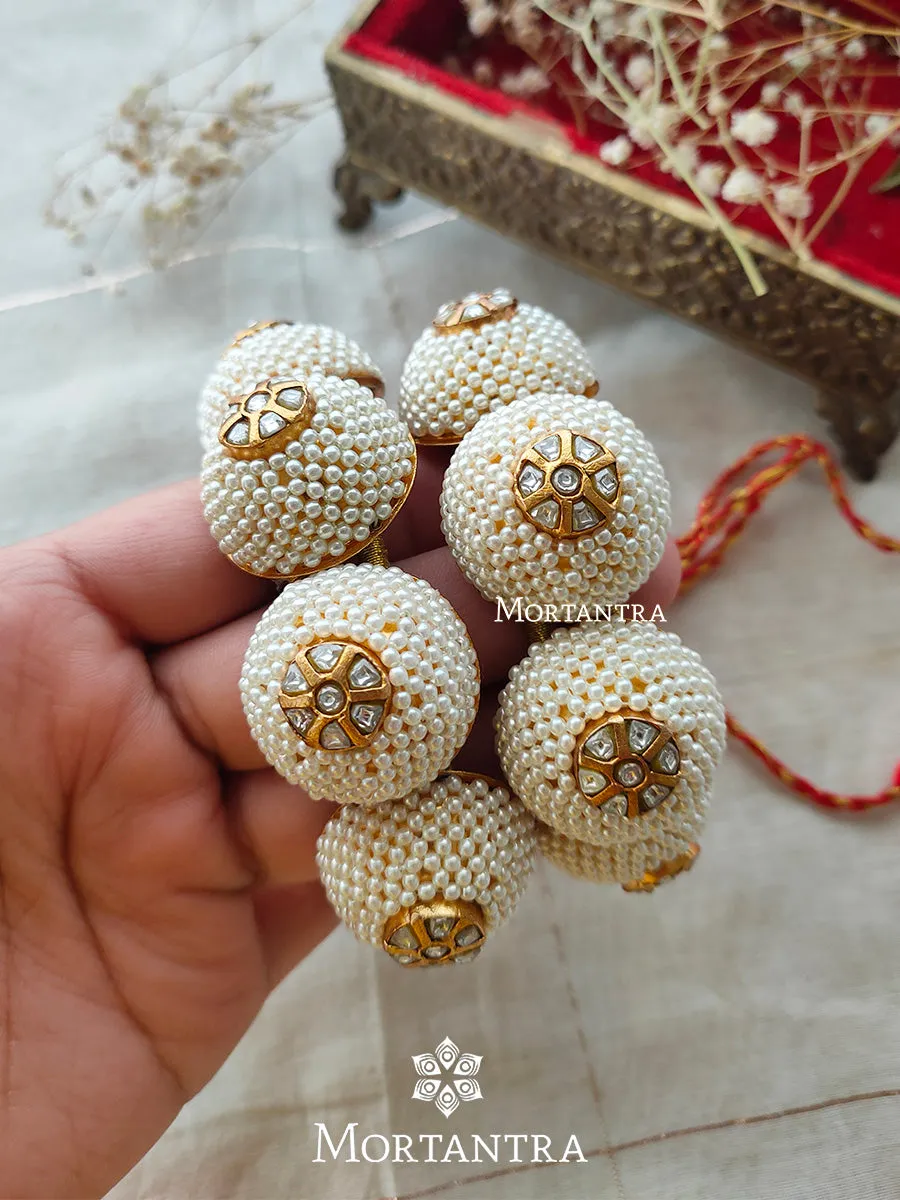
x: 768, y: 982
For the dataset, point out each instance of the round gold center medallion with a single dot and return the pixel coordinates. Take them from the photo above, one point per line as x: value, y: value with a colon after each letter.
x: 335, y: 695
x: 266, y: 419
x: 435, y: 933
x: 567, y: 484
x: 627, y: 764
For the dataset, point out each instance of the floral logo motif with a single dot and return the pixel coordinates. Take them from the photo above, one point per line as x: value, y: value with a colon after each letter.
x: 447, y: 1077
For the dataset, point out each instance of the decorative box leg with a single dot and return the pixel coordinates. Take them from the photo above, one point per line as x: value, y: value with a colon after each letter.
x: 864, y: 426
x: 361, y: 189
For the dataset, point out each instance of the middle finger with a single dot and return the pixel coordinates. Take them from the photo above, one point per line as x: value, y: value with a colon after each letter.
x: 200, y: 677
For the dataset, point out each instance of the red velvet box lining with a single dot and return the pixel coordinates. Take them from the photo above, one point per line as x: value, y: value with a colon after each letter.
x: 416, y: 36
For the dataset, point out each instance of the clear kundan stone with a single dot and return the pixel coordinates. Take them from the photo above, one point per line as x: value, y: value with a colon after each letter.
x: 436, y: 951
x: 291, y: 398
x: 429, y: 703
x: 530, y: 479
x: 640, y: 735
x: 592, y: 782
x: 566, y: 480
x: 334, y: 738
x: 630, y: 773
x: 475, y: 836
x: 330, y: 699
x: 601, y: 745
x: 668, y: 759
x: 405, y: 960
x: 364, y: 675
x: 325, y: 657
x: 586, y: 450
x: 404, y: 938
x: 239, y: 433
x: 546, y: 513
x: 281, y: 353
x: 474, y: 312
x: 257, y: 403
x: 598, y: 671
x: 596, y: 556
x: 654, y: 795
x: 508, y: 357
x: 294, y: 682
x: 439, y: 927
x: 366, y: 716
x: 271, y: 423
x: 300, y: 719
x: 468, y: 936
x: 584, y: 516
x: 606, y: 483
x: 549, y: 448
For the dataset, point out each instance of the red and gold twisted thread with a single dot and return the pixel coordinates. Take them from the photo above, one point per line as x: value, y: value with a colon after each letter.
x: 723, y: 515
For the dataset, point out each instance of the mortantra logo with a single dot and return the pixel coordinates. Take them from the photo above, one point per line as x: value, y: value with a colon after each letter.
x: 446, y: 1078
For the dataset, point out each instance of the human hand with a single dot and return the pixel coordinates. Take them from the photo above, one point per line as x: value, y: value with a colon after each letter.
x: 156, y: 879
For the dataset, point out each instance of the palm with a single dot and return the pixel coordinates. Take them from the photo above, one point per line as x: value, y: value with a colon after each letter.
x: 131, y: 941
x: 156, y: 880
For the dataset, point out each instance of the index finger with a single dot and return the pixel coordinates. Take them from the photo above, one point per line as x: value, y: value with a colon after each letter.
x: 153, y: 566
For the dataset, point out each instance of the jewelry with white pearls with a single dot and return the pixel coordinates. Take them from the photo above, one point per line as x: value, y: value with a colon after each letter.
x: 482, y: 353
x: 557, y: 501
x: 361, y: 684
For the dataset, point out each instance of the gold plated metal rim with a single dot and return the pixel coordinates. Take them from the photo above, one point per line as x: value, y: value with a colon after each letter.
x: 374, y: 383
x: 257, y: 327
x: 440, y: 439
x: 651, y: 880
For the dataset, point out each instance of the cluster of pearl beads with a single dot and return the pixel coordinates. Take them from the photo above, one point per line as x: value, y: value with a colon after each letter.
x: 320, y: 499
x: 479, y: 355
x: 558, y: 501
x: 429, y: 878
x: 280, y: 348
x: 416, y: 663
x: 591, y: 864
x: 557, y: 726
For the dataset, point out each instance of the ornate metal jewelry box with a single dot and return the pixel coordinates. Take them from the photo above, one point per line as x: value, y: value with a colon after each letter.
x: 403, y: 130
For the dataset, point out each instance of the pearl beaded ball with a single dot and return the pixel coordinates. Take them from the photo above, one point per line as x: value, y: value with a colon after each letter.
x: 611, y: 734
x: 481, y: 354
x: 280, y: 348
x: 595, y: 864
x: 556, y: 500
x: 360, y: 684
x: 429, y: 878
x: 315, y: 485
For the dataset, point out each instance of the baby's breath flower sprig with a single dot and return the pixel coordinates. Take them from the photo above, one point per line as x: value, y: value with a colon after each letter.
x: 748, y: 105
x: 175, y: 152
